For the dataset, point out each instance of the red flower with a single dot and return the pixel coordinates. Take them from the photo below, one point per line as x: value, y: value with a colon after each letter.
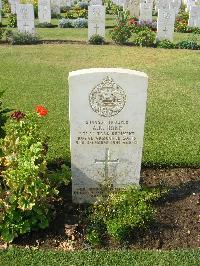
x: 41, y: 110
x: 17, y: 115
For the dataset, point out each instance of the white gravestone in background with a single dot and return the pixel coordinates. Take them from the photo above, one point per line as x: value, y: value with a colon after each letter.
x: 146, y: 11
x: 134, y: 8
x: 95, y: 2
x: 44, y: 11
x: 194, y: 16
x: 0, y: 11
x: 96, y: 20
x: 55, y: 7
x: 107, y: 116
x: 25, y: 18
x: 13, y: 6
x: 165, y: 24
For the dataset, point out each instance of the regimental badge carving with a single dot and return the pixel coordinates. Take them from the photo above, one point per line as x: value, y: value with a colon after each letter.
x: 107, y: 98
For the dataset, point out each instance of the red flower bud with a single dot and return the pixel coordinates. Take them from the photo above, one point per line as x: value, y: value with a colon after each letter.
x: 41, y: 110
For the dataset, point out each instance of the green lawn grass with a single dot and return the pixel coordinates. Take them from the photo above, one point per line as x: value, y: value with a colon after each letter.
x: 21, y: 257
x: 34, y: 75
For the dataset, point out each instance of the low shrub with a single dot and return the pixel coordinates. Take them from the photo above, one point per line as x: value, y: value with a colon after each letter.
x: 73, y: 23
x: 22, y: 38
x: 45, y: 25
x: 80, y: 23
x: 121, y: 212
x: 76, y: 13
x: 166, y: 44
x: 192, y: 45
x: 2, y: 30
x: 83, y: 5
x: 121, y: 32
x: 27, y: 193
x: 96, y: 39
x: 12, y: 20
x: 145, y: 38
x: 65, y: 23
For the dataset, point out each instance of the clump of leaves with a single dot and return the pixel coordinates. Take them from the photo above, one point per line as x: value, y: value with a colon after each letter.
x: 145, y: 38
x: 122, y: 31
x: 121, y: 212
x: 21, y: 38
x: 26, y: 191
x: 166, y: 44
x: 12, y: 20
x: 96, y: 39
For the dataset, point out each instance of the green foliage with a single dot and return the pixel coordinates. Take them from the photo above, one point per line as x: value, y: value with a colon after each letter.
x: 25, y: 189
x: 123, y: 211
x: 188, y: 44
x: 45, y: 25
x: 96, y: 39
x: 2, y: 30
x: 145, y: 38
x: 166, y: 44
x: 76, y: 12
x: 121, y: 32
x: 6, y: 7
x: 12, y: 20
x: 21, y: 38
x: 2, y: 117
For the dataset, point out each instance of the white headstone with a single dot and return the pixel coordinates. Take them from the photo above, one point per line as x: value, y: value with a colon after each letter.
x: 194, y: 16
x: 44, y: 11
x: 146, y: 11
x: 0, y: 11
x: 165, y: 24
x: 96, y: 20
x: 107, y: 116
x: 55, y: 7
x: 65, y: 3
x: 95, y: 2
x: 134, y: 8
x: 13, y: 6
x: 25, y: 18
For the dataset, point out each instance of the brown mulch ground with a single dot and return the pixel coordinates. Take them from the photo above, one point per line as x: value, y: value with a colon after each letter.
x: 177, y: 222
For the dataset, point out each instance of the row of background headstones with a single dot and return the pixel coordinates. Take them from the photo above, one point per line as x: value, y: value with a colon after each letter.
x: 167, y: 11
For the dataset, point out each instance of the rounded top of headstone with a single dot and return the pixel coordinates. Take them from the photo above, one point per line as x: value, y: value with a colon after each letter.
x: 107, y: 70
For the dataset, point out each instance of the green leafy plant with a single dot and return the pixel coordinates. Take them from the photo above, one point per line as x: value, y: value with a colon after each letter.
x: 3, y: 112
x: 166, y: 44
x: 121, y: 32
x: 26, y: 191
x: 96, y: 39
x: 18, y: 38
x: 2, y: 30
x: 45, y: 25
x: 191, y: 45
x: 119, y: 213
x: 12, y: 20
x: 145, y: 38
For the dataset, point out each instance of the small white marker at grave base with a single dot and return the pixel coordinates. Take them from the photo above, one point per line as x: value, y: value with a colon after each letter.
x: 107, y: 116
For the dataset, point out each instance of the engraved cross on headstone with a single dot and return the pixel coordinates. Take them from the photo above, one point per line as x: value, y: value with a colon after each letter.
x: 96, y: 27
x: 106, y: 162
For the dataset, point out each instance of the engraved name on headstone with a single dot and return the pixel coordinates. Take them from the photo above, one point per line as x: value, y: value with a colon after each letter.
x: 25, y: 18
x: 165, y: 24
x: 44, y: 11
x: 107, y: 116
x: 96, y: 20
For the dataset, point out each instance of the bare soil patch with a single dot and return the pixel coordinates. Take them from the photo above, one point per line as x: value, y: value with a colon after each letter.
x: 177, y: 223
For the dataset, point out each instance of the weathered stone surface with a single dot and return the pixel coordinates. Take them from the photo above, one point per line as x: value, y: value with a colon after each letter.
x: 107, y: 116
